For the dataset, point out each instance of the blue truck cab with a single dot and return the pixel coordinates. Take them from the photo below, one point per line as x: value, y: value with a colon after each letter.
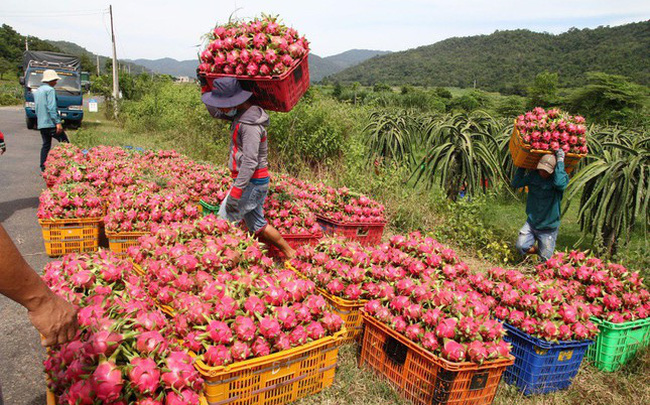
x: 69, y: 94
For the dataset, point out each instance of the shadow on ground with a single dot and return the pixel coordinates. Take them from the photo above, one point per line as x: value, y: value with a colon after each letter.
x: 8, y: 208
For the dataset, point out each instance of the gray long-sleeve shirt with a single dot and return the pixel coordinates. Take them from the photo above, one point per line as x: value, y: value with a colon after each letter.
x: 248, y: 146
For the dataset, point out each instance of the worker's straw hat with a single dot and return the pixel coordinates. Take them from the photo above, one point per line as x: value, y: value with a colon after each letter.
x: 50, y: 75
x: 547, y: 163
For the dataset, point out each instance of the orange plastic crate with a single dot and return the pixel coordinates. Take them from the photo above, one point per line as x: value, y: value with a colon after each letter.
x: 63, y: 236
x: 424, y: 378
x: 526, y: 158
x: 120, y: 242
x: 348, y: 310
x: 276, y: 379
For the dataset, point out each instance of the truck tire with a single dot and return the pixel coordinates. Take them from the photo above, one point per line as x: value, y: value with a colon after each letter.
x: 31, y: 123
x: 73, y: 124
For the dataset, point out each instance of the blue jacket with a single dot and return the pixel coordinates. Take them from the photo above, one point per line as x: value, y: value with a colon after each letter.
x: 47, y: 115
x: 544, y: 196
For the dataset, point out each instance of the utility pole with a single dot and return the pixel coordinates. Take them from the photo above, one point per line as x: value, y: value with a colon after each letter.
x: 26, y: 44
x: 116, y: 83
x: 97, y: 65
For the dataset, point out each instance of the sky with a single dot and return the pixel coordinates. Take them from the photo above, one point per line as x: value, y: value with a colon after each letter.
x: 156, y: 29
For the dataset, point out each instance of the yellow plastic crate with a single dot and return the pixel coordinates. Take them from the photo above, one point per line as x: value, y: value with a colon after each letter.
x: 276, y: 379
x: 63, y: 236
x: 526, y: 158
x: 348, y: 310
x: 120, y: 242
x: 51, y: 399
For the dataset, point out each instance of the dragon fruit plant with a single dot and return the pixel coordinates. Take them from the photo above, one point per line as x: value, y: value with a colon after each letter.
x: 351, y: 271
x: 261, y: 47
x: 553, y: 130
x: 70, y: 200
x: 546, y: 309
x: 450, y: 320
x: 124, y: 351
x: 612, y: 292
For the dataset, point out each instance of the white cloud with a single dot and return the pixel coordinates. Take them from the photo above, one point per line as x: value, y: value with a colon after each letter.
x: 156, y: 29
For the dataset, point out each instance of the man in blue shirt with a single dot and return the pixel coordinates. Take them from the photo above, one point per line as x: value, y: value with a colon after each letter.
x: 47, y: 115
x: 545, y: 190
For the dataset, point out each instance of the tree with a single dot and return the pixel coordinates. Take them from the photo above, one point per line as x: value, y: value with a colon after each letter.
x: 443, y: 93
x: 87, y: 64
x: 543, y: 92
x: 379, y: 87
x: 355, y: 88
x: 5, y: 67
x: 338, y: 90
x: 511, y: 106
x: 609, y: 98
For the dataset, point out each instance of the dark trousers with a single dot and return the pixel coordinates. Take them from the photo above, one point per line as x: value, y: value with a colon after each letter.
x: 47, y: 134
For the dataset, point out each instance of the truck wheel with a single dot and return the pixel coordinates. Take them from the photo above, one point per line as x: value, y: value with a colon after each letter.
x: 73, y: 124
x: 31, y: 123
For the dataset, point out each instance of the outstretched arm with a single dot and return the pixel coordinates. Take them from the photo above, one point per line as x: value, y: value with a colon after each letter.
x: 560, y: 177
x: 55, y: 318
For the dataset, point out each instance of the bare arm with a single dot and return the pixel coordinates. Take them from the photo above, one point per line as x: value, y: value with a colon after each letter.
x: 54, y: 317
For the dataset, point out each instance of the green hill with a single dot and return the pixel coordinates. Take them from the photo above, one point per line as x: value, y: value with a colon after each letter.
x: 506, y: 60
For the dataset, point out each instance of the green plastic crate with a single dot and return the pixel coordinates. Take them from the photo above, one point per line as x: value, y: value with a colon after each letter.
x: 209, y: 208
x: 617, y: 343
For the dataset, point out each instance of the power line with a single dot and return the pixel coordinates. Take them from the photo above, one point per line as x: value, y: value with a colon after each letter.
x: 54, y: 14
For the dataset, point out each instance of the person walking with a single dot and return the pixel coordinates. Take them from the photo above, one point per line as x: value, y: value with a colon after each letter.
x: 546, y: 187
x: 51, y: 315
x: 248, y: 159
x: 3, y: 147
x: 47, y: 115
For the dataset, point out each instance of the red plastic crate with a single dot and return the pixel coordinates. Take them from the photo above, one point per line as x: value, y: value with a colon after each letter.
x: 367, y: 234
x: 275, y: 93
x: 295, y: 241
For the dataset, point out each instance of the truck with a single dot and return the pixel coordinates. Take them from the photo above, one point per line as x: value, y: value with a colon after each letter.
x: 69, y: 94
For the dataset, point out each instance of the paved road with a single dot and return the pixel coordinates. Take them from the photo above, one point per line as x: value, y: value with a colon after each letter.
x: 21, y: 355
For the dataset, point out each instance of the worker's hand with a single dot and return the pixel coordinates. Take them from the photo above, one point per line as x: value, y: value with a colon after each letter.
x: 559, y: 155
x: 232, y: 205
x: 55, y: 319
x: 59, y: 128
x: 3, y: 148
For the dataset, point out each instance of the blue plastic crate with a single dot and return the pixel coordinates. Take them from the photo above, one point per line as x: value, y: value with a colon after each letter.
x: 540, y: 366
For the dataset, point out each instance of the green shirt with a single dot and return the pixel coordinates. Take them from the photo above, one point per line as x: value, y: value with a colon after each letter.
x: 544, y: 196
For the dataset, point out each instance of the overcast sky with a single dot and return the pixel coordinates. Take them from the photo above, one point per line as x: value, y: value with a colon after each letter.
x: 156, y: 29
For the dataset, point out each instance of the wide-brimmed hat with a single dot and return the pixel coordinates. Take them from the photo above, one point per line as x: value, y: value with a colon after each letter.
x: 226, y: 93
x: 50, y: 75
x: 547, y: 163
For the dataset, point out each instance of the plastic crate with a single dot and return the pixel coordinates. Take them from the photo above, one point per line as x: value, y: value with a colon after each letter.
x: 422, y: 377
x: 276, y: 93
x: 276, y: 379
x: 617, y: 343
x: 348, y: 310
x: 525, y: 157
x: 120, y: 242
x: 540, y: 366
x: 63, y: 236
x: 368, y: 234
x: 295, y: 241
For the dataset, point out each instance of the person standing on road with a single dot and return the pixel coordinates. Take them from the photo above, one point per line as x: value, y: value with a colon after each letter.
x: 51, y: 315
x: 47, y: 115
x: 248, y: 161
x: 546, y: 187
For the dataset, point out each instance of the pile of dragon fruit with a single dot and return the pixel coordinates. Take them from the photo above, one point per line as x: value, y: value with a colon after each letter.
x: 125, y: 351
x: 612, y: 292
x: 70, y: 200
x: 228, y: 301
x: 261, y: 47
x: 544, y: 309
x: 289, y: 214
x: 553, y: 130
